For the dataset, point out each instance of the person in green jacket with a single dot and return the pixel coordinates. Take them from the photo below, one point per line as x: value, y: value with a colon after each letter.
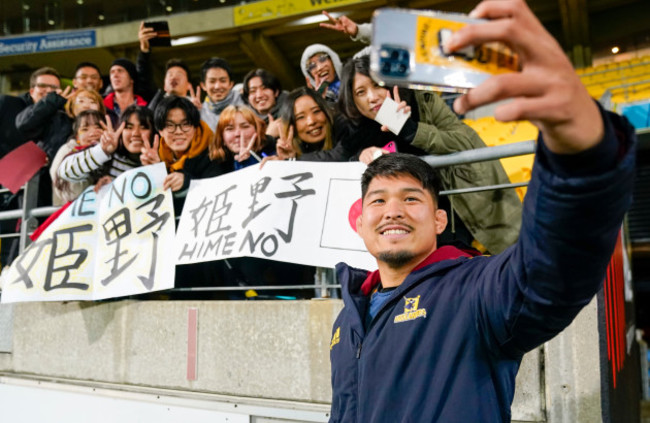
x: 493, y: 218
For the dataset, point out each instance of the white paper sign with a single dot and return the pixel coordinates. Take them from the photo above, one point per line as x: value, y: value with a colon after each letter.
x: 101, y: 246
x: 299, y: 212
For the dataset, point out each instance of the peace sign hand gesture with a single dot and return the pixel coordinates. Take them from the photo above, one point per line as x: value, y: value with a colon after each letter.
x: 342, y: 24
x: 195, y: 98
x: 245, y: 151
x: 148, y: 154
x: 110, y: 138
x: 284, y: 146
x: 402, y: 106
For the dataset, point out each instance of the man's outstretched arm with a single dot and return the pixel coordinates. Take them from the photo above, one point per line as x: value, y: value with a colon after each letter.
x: 579, y: 192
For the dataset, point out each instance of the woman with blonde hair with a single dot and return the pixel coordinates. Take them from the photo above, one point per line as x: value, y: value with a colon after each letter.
x: 240, y: 140
x: 83, y: 99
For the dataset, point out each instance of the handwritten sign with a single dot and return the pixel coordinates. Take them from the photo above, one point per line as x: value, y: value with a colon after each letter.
x: 295, y: 212
x: 102, y: 246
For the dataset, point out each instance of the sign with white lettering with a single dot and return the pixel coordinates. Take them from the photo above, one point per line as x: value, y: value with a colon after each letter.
x: 299, y: 212
x: 68, y: 40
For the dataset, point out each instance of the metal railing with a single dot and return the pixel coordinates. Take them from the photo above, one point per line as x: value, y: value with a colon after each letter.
x: 324, y: 280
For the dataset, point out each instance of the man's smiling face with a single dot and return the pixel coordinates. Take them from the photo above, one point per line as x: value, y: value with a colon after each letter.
x: 399, y: 221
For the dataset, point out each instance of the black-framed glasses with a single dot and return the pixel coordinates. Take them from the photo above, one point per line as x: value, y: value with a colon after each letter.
x: 321, y: 58
x: 46, y: 86
x: 87, y: 76
x: 184, y: 126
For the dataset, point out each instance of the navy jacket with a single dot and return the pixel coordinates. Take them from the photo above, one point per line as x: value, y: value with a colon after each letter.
x: 448, y: 343
x: 46, y: 123
x: 10, y: 106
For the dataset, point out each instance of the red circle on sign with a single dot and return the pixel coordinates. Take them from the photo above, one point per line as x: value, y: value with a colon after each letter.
x: 354, y: 213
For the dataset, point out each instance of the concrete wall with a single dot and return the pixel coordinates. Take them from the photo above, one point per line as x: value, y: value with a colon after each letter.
x: 274, y: 350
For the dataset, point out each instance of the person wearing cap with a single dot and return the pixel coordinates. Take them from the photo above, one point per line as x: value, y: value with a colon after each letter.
x: 322, y: 67
x: 123, y: 75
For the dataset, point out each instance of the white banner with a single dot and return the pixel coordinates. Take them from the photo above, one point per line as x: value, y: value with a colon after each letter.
x: 300, y: 212
x: 101, y: 246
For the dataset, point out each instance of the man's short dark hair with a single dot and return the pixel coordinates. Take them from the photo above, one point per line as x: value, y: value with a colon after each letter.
x: 175, y: 102
x: 43, y: 71
x: 398, y: 164
x: 215, y: 62
x: 87, y: 65
x: 178, y: 63
x: 268, y: 80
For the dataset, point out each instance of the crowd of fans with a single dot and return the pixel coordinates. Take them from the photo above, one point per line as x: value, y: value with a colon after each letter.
x: 92, y: 133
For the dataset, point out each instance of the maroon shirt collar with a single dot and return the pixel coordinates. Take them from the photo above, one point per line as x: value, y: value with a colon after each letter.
x: 446, y: 252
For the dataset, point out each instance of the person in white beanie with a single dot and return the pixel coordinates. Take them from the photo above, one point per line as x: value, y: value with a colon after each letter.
x: 322, y: 67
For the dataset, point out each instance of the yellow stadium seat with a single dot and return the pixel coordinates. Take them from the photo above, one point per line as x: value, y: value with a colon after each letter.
x: 495, y: 133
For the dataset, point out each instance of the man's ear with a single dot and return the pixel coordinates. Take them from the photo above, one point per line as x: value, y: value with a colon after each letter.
x: 441, y: 221
x: 358, y: 225
x: 203, y: 86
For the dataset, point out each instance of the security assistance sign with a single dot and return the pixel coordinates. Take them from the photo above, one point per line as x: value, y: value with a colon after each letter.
x: 48, y: 42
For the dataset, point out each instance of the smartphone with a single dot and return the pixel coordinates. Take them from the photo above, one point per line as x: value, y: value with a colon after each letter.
x: 163, y: 39
x: 408, y: 50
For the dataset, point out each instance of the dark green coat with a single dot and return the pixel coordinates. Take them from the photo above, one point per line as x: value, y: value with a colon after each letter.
x: 493, y: 217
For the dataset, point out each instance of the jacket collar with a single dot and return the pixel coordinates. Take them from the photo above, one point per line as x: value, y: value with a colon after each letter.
x: 109, y: 101
x: 446, y: 252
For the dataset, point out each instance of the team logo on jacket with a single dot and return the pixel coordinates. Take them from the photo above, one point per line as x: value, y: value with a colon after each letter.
x: 411, y: 310
x: 336, y: 337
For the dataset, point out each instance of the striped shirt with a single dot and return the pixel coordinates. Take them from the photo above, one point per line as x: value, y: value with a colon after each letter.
x: 80, y: 166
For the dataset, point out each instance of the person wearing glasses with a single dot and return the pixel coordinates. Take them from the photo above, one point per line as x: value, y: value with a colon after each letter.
x: 34, y: 121
x: 183, y: 144
x: 44, y: 122
x: 87, y: 76
x: 41, y: 82
x: 322, y: 67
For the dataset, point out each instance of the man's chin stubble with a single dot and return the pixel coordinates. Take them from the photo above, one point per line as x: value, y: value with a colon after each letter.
x: 396, y: 259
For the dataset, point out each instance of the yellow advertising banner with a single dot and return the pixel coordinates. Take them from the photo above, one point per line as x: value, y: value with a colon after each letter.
x: 273, y: 9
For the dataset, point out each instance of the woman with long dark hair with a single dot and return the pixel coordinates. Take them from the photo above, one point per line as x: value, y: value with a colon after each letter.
x: 493, y: 217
